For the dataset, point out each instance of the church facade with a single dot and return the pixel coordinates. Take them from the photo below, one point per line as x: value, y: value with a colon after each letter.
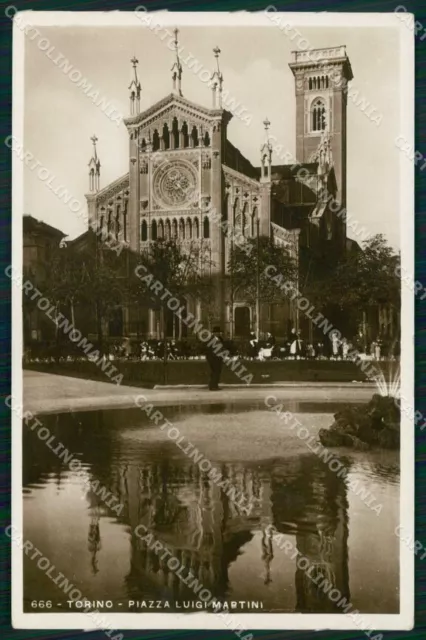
x: 186, y: 179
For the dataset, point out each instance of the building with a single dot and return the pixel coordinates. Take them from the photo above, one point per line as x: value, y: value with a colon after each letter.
x: 39, y: 242
x: 185, y: 175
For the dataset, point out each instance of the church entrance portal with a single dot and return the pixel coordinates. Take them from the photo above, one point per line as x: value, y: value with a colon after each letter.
x: 242, y: 322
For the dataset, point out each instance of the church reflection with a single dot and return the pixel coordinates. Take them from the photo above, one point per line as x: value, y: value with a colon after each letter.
x: 200, y: 525
x: 206, y: 531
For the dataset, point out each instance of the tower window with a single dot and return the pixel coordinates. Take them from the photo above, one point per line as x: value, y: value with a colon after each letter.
x: 318, y: 117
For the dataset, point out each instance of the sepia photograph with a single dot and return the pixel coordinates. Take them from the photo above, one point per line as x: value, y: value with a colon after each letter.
x: 212, y: 275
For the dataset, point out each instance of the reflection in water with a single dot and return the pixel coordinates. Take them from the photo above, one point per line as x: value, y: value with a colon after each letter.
x: 232, y: 554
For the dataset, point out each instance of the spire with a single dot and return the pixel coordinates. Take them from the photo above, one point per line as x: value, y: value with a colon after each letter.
x: 266, y: 154
x: 177, y: 68
x: 217, y: 81
x: 135, y: 90
x: 94, y: 168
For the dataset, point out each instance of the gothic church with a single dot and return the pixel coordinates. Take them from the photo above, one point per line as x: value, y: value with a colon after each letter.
x: 184, y: 172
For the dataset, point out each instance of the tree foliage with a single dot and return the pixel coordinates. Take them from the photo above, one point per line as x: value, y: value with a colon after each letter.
x: 362, y: 279
x: 89, y: 276
x: 181, y: 271
x: 247, y: 262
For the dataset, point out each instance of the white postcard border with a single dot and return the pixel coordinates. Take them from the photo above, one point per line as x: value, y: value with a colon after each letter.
x: 401, y: 621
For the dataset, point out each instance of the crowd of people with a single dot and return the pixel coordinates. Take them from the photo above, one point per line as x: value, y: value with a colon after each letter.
x: 265, y: 348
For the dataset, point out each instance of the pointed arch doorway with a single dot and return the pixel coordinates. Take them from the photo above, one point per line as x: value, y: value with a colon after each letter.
x: 242, y: 320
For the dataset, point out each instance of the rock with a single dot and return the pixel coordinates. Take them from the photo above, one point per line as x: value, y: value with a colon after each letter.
x: 331, y: 438
x: 389, y: 439
x: 374, y: 424
x: 358, y: 444
x: 339, y: 427
x: 385, y: 407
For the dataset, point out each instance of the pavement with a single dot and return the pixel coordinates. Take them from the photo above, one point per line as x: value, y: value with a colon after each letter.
x: 47, y: 393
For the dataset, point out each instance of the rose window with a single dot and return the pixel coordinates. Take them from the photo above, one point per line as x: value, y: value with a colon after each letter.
x: 175, y: 185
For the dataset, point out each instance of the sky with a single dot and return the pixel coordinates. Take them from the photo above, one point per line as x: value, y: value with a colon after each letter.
x: 59, y: 118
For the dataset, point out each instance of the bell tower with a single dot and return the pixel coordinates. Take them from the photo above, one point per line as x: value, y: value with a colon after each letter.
x: 321, y: 79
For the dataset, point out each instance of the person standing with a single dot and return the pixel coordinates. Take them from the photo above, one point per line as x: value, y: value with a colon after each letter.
x: 253, y: 346
x: 213, y: 358
x: 270, y: 340
x: 335, y: 342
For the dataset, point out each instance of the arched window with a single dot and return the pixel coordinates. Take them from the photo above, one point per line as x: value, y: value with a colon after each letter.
x: 117, y: 223
x: 254, y: 222
x: 185, y: 135
x: 206, y: 228
x: 155, y: 141
x: 189, y: 229
x: 310, y: 84
x: 326, y: 82
x: 143, y: 144
x: 166, y: 136
x: 194, y: 136
x: 175, y: 133
x: 235, y: 213
x: 160, y: 231
x: 206, y: 139
x: 244, y: 222
x: 181, y: 229
x: 174, y: 229
x: 154, y: 230
x: 144, y: 231
x: 196, y: 229
x: 318, y: 115
x: 167, y: 230
x: 315, y: 83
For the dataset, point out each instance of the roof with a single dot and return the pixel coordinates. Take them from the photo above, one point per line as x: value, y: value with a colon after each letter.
x: 291, y: 216
x: 352, y: 245
x: 179, y: 101
x: 234, y: 159
x: 290, y: 170
x: 32, y: 225
x: 110, y: 190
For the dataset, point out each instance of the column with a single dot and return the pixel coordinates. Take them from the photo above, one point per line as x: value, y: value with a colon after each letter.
x: 217, y: 240
x: 134, y: 194
x: 151, y: 324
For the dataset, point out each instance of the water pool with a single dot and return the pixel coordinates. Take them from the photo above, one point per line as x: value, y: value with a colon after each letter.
x: 231, y: 552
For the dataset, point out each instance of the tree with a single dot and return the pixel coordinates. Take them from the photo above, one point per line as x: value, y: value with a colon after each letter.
x: 91, y: 277
x: 363, y: 280
x: 182, y: 271
x: 368, y: 277
x: 64, y: 280
x: 105, y: 284
x: 248, y: 261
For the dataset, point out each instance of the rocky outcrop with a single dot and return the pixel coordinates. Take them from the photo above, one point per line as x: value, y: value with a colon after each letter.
x: 376, y: 424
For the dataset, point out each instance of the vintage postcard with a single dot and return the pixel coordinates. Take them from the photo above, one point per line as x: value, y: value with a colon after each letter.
x: 213, y: 390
